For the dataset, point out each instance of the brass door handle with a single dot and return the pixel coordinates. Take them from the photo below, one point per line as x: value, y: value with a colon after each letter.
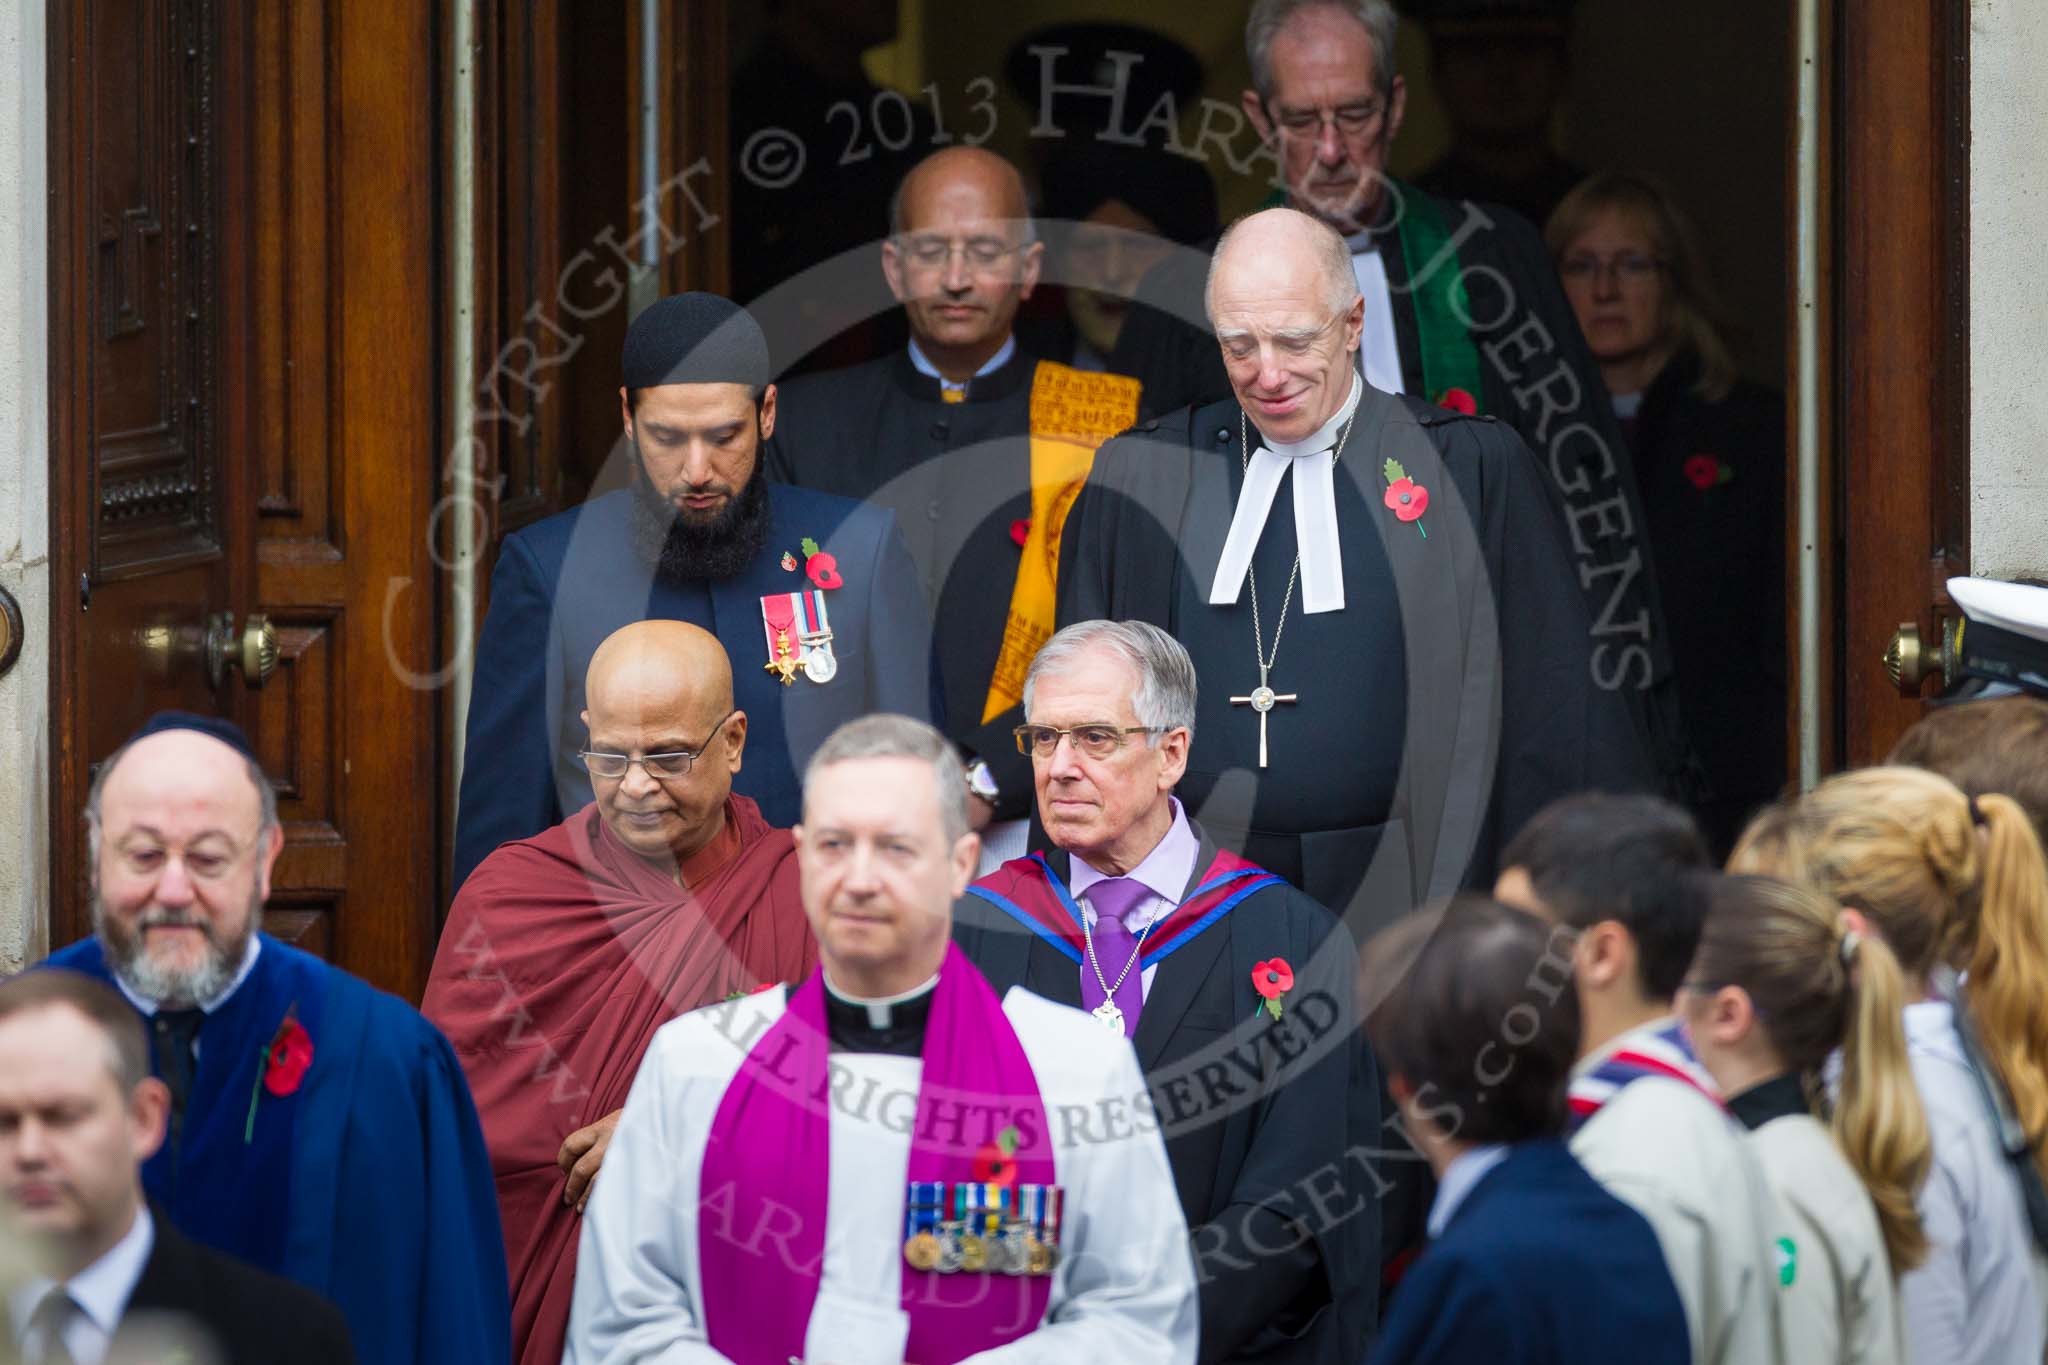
x: 1910, y: 661
x: 254, y: 652
x: 11, y: 634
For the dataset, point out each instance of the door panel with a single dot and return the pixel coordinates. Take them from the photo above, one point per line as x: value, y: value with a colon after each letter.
x: 243, y: 310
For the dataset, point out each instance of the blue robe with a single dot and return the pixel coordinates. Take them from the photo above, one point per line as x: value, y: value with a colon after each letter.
x: 368, y: 1184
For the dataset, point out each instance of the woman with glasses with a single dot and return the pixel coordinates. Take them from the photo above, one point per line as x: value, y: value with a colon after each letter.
x: 1709, y: 454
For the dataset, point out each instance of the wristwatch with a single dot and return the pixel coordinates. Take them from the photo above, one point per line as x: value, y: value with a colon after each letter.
x: 981, y: 781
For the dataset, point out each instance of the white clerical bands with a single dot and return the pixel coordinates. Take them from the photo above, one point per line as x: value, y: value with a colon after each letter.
x: 1315, y: 514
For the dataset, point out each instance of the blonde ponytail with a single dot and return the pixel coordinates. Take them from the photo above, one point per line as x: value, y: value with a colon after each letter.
x: 2003, y: 949
x: 1878, y: 1121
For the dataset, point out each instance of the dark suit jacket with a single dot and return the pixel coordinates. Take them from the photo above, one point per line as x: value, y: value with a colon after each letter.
x: 1539, y: 1266
x: 249, y: 1317
x: 562, y: 585
x: 1258, y: 1126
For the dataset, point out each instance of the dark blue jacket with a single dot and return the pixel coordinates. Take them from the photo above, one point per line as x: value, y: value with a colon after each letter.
x: 1538, y: 1266
x: 562, y: 585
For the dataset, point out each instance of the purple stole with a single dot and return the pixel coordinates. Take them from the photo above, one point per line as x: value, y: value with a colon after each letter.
x: 769, y: 1148
x: 1030, y: 892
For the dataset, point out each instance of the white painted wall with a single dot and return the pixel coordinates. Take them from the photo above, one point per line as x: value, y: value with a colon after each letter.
x: 2008, y: 322
x: 24, y: 483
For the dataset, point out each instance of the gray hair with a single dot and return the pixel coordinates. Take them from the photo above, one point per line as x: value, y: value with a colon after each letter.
x: 1165, y: 699
x: 266, y: 798
x: 890, y: 736
x: 1335, y: 258
x: 1269, y: 17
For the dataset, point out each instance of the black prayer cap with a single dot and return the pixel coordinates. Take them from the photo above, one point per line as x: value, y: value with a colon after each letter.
x: 694, y: 338
x: 213, y: 727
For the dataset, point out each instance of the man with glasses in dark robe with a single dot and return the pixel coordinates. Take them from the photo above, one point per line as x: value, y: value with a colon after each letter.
x: 565, y: 952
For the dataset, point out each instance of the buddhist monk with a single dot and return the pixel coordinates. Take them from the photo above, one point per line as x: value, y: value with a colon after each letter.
x: 564, y: 953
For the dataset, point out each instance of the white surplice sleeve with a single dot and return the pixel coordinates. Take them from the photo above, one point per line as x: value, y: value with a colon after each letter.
x: 1125, y: 1287
x: 637, y: 1282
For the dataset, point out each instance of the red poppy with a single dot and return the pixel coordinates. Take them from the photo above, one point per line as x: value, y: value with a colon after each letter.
x: 823, y: 570
x: 1273, y: 979
x: 291, y: 1052
x: 1407, y: 498
x: 1458, y: 400
x: 994, y: 1166
x: 1020, y: 531
x: 1703, y: 472
x: 788, y: 562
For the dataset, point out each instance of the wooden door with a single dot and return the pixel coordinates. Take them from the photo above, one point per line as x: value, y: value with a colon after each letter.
x: 243, y: 309
x: 1895, y: 354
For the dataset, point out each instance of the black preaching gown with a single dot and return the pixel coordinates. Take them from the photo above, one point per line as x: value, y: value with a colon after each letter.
x: 1539, y: 378
x: 1440, y: 708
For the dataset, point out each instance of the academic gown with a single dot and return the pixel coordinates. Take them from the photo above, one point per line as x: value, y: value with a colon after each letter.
x: 1444, y: 705
x: 1124, y: 1287
x: 368, y: 1184
x: 564, y: 584
x: 958, y: 477
x: 1259, y: 1119
x: 1538, y: 377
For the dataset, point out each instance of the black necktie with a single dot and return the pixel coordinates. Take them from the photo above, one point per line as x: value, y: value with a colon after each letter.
x: 51, y: 1317
x: 176, y: 1031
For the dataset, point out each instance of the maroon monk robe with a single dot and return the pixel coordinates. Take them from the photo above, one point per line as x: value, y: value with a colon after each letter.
x: 562, y: 955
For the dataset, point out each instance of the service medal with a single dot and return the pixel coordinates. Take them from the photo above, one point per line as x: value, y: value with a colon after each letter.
x: 922, y: 1251
x: 1040, y: 1256
x: 778, y: 626
x: 814, y: 635
x: 973, y: 1252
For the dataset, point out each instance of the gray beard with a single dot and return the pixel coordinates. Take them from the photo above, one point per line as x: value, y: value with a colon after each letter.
x: 132, y: 966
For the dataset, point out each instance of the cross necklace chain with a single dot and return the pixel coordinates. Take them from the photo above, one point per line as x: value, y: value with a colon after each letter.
x: 1107, y: 1012
x: 1263, y: 698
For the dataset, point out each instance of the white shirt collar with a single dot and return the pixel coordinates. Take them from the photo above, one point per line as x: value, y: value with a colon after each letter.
x: 1164, y: 871
x: 1459, y: 1179
x: 1315, y: 513
x: 149, y: 1007
x: 920, y: 362
x: 882, y: 1007
x: 101, y: 1290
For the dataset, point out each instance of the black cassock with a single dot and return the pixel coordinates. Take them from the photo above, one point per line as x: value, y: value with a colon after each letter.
x: 1441, y: 707
x: 957, y: 475
x: 1539, y: 378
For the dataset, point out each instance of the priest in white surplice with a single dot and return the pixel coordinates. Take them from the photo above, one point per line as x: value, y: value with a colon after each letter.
x: 886, y: 1163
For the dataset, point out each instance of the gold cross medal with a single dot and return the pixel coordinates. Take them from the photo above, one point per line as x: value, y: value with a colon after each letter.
x: 778, y: 624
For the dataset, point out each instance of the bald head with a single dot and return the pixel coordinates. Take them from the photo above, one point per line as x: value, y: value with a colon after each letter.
x: 1279, y: 253
x: 957, y: 175
x: 653, y: 666
x: 663, y: 688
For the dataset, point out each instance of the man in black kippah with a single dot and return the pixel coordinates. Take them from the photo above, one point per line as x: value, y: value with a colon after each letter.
x: 814, y: 597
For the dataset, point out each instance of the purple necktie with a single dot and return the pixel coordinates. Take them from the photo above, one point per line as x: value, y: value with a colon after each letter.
x: 1112, y: 899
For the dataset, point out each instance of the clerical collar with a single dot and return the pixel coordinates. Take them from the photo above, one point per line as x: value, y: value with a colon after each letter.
x: 1627, y: 405
x: 893, y: 1024
x: 1315, y: 512
x: 1777, y: 1098
x: 1364, y: 242
x: 148, y: 1007
x: 951, y: 390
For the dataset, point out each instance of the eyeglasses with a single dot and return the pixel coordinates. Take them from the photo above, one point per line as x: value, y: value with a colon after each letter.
x: 661, y: 767
x: 932, y: 253
x: 1096, y: 741
x: 1351, y: 120
x: 1296, y: 342
x: 1630, y: 267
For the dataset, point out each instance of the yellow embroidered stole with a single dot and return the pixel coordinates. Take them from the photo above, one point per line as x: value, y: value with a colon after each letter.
x: 1072, y: 412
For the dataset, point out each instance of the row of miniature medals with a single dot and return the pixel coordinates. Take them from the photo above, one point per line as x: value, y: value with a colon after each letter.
x: 992, y: 1229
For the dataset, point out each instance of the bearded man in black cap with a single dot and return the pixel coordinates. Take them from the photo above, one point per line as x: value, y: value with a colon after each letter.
x: 814, y: 597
